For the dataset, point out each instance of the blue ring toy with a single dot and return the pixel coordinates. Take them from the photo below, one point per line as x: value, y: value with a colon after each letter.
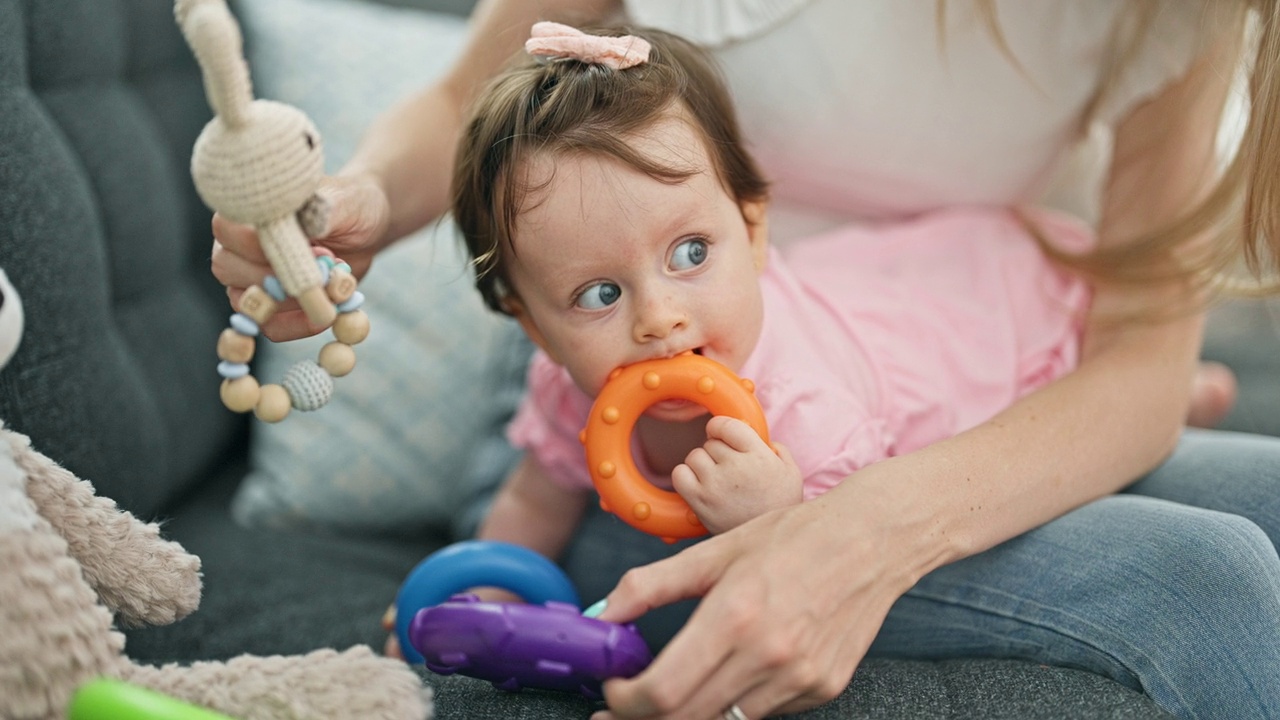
x: 477, y: 563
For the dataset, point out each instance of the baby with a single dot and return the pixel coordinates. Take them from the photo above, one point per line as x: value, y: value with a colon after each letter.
x: 611, y: 207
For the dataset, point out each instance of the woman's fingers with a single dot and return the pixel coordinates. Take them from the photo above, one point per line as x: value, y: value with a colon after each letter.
x: 702, y: 671
x: 238, y: 270
x: 356, y: 221
x: 722, y: 687
x: 771, y: 633
x: 680, y: 671
x: 688, y: 574
x: 240, y: 240
x: 288, y: 323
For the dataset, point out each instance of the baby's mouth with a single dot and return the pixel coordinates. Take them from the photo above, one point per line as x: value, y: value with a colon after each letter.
x: 676, y: 406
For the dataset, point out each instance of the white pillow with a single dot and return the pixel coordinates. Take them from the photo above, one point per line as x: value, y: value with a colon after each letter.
x: 413, y: 438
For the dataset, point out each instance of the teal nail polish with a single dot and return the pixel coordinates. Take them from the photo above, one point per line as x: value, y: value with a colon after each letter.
x: 596, y: 609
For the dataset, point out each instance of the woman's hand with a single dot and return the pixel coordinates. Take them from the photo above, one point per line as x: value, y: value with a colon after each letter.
x: 357, y: 224
x: 784, y: 622
x: 735, y: 476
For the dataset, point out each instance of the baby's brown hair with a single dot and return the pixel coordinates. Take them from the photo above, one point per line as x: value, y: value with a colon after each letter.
x: 568, y: 106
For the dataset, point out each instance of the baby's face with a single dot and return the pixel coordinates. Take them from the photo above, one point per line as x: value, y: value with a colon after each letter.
x: 612, y: 267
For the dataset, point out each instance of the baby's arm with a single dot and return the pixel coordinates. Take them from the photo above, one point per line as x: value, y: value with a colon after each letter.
x: 532, y: 510
x: 529, y: 510
x: 736, y: 476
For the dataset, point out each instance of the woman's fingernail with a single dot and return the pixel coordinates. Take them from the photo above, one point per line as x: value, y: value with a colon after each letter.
x: 389, y: 618
x: 595, y: 610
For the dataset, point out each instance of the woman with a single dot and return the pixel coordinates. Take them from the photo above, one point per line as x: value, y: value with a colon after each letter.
x: 1012, y: 531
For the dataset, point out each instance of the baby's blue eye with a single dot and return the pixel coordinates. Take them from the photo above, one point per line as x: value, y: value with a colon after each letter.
x: 689, y: 254
x: 600, y: 295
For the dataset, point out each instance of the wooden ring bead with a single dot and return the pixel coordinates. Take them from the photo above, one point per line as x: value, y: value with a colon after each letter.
x: 307, y: 385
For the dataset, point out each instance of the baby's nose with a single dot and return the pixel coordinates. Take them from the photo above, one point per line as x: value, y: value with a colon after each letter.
x: 659, y: 318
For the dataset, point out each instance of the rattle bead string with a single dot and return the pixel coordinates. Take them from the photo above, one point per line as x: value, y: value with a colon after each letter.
x: 307, y: 385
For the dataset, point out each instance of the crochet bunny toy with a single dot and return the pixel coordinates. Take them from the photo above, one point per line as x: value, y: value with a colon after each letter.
x: 260, y: 163
x: 69, y: 559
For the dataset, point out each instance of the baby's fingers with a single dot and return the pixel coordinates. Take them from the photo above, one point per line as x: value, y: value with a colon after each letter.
x: 700, y: 462
x: 685, y: 482
x: 783, y: 452
x: 734, y: 433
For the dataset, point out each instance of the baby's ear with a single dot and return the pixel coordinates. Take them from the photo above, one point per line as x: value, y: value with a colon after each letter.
x: 756, y: 215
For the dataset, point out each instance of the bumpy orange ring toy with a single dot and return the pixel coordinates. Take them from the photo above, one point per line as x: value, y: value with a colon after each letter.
x: 630, y: 391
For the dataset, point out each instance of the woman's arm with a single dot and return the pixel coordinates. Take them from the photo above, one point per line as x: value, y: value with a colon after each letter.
x: 409, y: 151
x: 398, y: 179
x: 774, y: 633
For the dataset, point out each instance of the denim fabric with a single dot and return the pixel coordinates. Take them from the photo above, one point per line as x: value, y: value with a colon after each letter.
x: 1171, y: 588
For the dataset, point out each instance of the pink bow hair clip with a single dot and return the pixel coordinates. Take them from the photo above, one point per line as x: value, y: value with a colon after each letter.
x: 554, y: 40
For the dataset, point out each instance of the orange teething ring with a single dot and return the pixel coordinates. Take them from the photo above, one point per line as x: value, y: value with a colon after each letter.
x: 632, y: 390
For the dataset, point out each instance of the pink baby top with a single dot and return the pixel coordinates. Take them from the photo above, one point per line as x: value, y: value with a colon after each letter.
x: 877, y: 341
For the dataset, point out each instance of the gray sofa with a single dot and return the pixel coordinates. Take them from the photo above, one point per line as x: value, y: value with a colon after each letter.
x: 102, y: 233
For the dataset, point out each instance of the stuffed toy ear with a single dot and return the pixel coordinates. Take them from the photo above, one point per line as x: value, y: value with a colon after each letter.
x: 214, y: 37
x: 10, y: 319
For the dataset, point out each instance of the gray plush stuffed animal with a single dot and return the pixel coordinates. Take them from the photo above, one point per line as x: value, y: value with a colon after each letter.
x: 72, y: 564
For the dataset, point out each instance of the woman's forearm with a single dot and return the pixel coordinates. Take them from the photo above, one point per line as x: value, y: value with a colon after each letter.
x: 409, y: 150
x: 1120, y: 413
x: 1084, y: 436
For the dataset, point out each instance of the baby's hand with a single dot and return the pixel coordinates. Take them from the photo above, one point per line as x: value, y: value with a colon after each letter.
x: 391, y: 648
x: 735, y: 476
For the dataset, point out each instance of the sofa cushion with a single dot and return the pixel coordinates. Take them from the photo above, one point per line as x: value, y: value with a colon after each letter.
x: 104, y: 238
x: 412, y: 442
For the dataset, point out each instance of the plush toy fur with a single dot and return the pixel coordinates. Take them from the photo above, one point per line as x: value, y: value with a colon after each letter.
x: 260, y: 163
x: 70, y: 559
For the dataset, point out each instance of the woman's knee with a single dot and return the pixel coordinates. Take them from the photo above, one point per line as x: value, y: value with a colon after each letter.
x: 1204, y: 607
x: 1181, y: 552
x: 1176, y: 601
x: 1234, y: 473
x: 1200, y: 587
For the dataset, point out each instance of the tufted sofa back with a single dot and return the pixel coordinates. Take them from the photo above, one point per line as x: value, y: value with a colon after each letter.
x: 104, y: 238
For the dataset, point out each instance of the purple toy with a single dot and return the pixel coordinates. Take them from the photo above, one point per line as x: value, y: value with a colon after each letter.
x: 515, y: 646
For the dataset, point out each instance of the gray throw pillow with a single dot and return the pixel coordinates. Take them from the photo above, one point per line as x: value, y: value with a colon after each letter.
x: 412, y: 441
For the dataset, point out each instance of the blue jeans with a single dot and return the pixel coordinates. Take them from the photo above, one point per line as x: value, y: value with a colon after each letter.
x: 1171, y: 588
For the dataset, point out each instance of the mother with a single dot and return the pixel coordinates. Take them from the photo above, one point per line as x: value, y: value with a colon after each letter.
x: 1082, y: 526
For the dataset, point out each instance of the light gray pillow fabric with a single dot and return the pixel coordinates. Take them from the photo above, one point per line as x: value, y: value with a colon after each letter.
x: 413, y: 438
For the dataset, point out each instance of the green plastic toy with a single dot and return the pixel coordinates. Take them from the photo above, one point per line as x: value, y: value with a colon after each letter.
x: 115, y: 700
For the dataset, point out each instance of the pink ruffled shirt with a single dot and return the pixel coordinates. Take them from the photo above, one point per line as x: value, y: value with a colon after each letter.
x: 877, y: 341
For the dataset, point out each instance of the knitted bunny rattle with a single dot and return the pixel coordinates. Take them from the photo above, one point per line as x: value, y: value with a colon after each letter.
x: 259, y: 163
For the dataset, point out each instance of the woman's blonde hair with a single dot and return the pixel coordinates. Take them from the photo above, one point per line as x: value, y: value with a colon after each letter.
x: 567, y: 106
x: 1238, y: 217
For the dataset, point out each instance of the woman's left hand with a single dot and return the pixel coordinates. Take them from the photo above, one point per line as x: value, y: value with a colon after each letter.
x: 783, y: 623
